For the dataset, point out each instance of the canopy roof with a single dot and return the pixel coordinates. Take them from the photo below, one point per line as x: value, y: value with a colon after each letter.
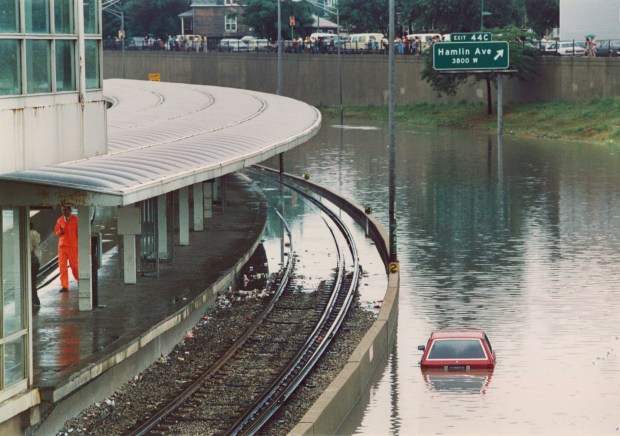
x: 165, y: 136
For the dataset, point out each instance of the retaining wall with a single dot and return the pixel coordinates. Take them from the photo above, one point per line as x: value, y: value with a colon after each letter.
x: 314, y: 78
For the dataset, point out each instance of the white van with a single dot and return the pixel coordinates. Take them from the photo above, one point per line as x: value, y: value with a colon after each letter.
x: 359, y: 42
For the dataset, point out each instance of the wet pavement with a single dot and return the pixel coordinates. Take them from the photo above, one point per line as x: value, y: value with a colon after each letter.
x: 67, y: 342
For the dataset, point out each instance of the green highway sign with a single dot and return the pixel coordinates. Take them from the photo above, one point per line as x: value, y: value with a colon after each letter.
x: 471, y: 37
x: 462, y: 56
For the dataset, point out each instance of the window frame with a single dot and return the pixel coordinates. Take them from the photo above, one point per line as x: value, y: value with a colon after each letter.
x: 228, y: 23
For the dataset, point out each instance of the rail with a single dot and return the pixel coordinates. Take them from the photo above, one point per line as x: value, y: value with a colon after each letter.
x: 317, y: 343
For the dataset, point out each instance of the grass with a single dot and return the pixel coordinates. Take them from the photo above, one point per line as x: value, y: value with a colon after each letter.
x: 596, y: 121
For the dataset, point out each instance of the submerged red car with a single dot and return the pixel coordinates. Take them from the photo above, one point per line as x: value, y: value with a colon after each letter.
x: 458, y: 350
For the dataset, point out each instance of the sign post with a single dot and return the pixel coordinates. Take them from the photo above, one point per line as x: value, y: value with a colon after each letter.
x: 463, y: 56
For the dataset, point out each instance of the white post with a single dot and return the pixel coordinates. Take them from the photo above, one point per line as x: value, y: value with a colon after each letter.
x: 162, y: 226
x: 198, y: 208
x: 129, y: 225
x: 129, y: 260
x: 183, y: 216
x: 85, y: 293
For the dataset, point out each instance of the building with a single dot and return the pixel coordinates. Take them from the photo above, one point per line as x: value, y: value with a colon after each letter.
x: 215, y: 19
x: 579, y: 18
x: 218, y: 19
x: 51, y: 110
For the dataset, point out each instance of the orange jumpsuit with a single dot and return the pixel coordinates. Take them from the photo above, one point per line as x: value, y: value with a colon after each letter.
x: 67, y: 248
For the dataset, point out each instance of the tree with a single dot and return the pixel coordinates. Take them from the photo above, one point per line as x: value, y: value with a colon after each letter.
x: 542, y: 15
x: 521, y: 59
x: 365, y: 15
x: 449, y: 16
x: 158, y: 17
x: 262, y: 15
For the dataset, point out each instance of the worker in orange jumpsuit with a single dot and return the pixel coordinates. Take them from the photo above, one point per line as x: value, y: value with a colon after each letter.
x: 67, y: 231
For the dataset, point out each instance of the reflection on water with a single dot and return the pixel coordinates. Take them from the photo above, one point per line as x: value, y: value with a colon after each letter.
x: 524, y: 244
x: 474, y: 382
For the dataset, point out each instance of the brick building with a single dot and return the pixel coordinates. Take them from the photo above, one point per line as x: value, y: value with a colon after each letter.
x: 216, y: 19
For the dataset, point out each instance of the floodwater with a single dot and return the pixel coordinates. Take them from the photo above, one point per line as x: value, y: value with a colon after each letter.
x: 522, y: 241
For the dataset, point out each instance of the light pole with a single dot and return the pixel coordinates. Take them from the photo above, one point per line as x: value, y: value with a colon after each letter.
x: 392, y: 142
x: 279, y: 48
x: 114, y: 7
x: 335, y: 12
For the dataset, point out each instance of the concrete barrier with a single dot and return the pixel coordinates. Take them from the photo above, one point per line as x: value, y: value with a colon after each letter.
x: 314, y: 78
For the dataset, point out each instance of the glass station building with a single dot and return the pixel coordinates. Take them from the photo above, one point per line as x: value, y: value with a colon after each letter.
x: 51, y: 110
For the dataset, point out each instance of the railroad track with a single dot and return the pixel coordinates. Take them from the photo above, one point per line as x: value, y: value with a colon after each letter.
x: 252, y: 379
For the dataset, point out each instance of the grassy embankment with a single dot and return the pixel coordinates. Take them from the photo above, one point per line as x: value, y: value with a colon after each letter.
x: 596, y: 121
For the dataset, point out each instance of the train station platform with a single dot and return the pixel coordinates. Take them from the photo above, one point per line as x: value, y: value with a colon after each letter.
x: 81, y: 356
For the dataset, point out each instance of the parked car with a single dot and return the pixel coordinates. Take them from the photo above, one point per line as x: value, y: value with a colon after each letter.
x: 607, y: 48
x: 259, y: 45
x: 363, y: 42
x: 458, y: 350
x: 565, y: 48
x: 135, y: 43
x: 231, y: 44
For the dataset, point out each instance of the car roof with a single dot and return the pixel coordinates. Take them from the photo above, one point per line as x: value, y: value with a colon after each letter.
x: 458, y: 334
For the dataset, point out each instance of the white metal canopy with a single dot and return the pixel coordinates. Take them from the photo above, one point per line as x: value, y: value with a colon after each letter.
x: 165, y: 136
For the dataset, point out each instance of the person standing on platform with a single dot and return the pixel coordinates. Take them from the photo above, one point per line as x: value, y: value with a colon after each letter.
x: 35, y: 263
x: 67, y: 231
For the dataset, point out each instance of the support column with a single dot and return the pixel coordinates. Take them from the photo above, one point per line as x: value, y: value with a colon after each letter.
x: 162, y: 227
x: 198, y: 208
x: 208, y: 199
x: 183, y: 216
x: 129, y: 226
x: 85, y: 293
x: 129, y: 260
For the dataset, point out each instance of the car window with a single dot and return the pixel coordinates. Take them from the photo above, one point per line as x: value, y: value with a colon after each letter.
x: 457, y: 349
x: 486, y: 339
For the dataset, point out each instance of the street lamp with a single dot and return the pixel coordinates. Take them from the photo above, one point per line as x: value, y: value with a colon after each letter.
x: 335, y: 12
x: 279, y: 48
x: 114, y: 7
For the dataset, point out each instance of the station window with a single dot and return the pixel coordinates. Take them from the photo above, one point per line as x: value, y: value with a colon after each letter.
x: 91, y: 17
x: 38, y: 66
x: 10, y: 83
x: 65, y: 65
x: 13, y: 326
x: 9, y: 16
x: 39, y: 48
x: 93, y: 80
x: 37, y: 14
x: 63, y: 17
x: 231, y: 22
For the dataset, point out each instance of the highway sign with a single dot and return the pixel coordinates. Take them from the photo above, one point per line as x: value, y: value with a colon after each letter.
x: 461, y: 56
x: 471, y: 37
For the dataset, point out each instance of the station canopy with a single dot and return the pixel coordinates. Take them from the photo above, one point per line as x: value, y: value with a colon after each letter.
x: 165, y: 136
